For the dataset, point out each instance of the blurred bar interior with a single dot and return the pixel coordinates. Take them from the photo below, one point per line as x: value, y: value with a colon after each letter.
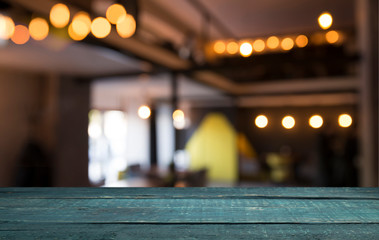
x: 152, y: 93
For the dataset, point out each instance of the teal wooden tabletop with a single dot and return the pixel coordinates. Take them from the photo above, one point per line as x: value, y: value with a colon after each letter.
x: 189, y: 213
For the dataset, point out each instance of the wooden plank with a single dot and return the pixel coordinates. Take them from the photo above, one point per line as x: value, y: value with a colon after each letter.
x: 191, y: 193
x: 193, y: 231
x: 190, y: 210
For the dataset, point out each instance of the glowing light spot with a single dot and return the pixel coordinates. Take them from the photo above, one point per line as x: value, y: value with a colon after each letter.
x: 287, y: 44
x: 232, y: 48
x: 246, y: 49
x: 325, y: 20
x: 115, y: 13
x: 316, y: 121
x: 81, y: 25
x: 301, y: 41
x: 178, y: 115
x: 6, y: 27
x: 288, y: 122
x: 144, y: 112
x: 219, y: 47
x: 38, y: 28
x: 100, y: 27
x: 21, y: 35
x: 345, y: 120
x: 59, y: 15
x: 272, y: 42
x: 73, y: 35
x: 259, y: 45
x: 126, y: 27
x: 261, y: 121
x: 332, y: 37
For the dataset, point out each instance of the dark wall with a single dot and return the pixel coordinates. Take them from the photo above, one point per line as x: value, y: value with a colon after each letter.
x: 71, y: 164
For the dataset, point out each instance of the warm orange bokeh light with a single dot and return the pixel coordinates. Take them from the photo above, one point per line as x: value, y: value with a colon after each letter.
x: 73, y: 35
x: 38, y: 29
x: 246, y: 49
x: 115, y: 13
x: 261, y: 121
x: 259, y: 45
x: 288, y: 122
x: 6, y: 27
x: 81, y: 24
x: 345, y: 120
x: 272, y: 42
x: 316, y: 121
x: 219, y: 47
x: 287, y: 44
x: 325, y: 20
x: 144, y: 112
x: 21, y: 35
x: 332, y: 37
x: 232, y: 48
x: 126, y: 27
x: 100, y: 27
x: 59, y: 15
x: 301, y: 41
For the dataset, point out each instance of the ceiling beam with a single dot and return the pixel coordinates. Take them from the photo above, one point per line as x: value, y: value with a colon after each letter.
x: 326, y: 99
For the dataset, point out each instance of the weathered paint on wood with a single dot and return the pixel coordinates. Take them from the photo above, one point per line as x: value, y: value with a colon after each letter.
x: 189, y: 213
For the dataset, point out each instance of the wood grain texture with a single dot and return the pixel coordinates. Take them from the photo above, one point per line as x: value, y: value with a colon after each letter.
x: 189, y: 213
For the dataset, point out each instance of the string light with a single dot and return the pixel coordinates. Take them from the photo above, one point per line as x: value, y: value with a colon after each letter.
x: 59, y: 15
x: 126, y: 27
x: 100, y: 27
x: 21, y: 35
x: 38, y: 28
x: 261, y: 121
x: 144, y: 112
x: 316, y: 121
x: 325, y: 20
x: 7, y: 27
x: 81, y: 25
x: 259, y: 45
x: 115, y: 13
x: 301, y: 41
x: 272, y: 42
x: 332, y: 37
x: 288, y: 122
x: 246, y: 49
x: 287, y: 44
x: 345, y: 120
x: 219, y: 47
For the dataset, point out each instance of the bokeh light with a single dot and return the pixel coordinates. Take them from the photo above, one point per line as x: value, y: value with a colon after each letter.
x: 288, y: 122
x: 259, y: 45
x: 144, y: 112
x: 261, y: 121
x: 316, y: 121
x: 115, y: 13
x: 38, y: 28
x: 126, y: 27
x: 73, y: 35
x: 100, y: 27
x: 178, y: 115
x: 325, y: 20
x: 246, y: 49
x: 272, y: 42
x: 232, y: 48
x: 21, y: 35
x: 332, y: 37
x: 6, y: 27
x: 219, y: 47
x: 287, y: 44
x: 59, y: 15
x: 345, y: 120
x: 81, y: 24
x: 301, y: 41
